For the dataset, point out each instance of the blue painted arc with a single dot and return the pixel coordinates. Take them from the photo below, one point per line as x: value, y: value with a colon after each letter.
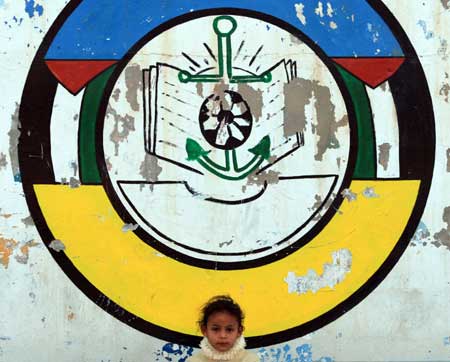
x: 101, y: 29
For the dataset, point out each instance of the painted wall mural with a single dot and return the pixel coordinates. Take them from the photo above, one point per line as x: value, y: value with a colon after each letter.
x: 284, y: 153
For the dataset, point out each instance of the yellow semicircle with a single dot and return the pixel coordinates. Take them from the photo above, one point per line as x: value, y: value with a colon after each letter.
x: 169, y: 293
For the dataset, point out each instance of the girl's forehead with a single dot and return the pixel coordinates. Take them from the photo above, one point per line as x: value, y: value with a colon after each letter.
x: 222, y: 317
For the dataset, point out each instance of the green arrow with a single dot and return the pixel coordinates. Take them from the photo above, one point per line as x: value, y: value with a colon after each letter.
x: 262, y: 148
x: 194, y: 150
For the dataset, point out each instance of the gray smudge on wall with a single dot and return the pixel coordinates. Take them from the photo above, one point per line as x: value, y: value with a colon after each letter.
x: 57, y: 245
x: 116, y: 94
x: 123, y: 125
x: 199, y: 87
x: 444, y: 91
x: 333, y: 274
x: 298, y: 94
x: 14, y: 134
x: 445, y: 4
x: 150, y: 170
x: 442, y: 50
x: 253, y: 98
x: 133, y: 81
x: 28, y: 221
x: 383, y: 155
x: 269, y: 177
x: 3, y: 161
x: 443, y: 237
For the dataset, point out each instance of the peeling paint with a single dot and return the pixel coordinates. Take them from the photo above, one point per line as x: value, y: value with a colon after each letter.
x: 133, y: 82
x: 444, y: 91
x: 116, y: 94
x: 7, y: 247
x: 333, y: 274
x: 199, y: 87
x: 31, y: 8
x: 25, y: 252
x: 384, y: 154
x: 254, y: 99
x: 14, y: 134
x: 74, y: 183
x: 369, y: 193
x: 300, y: 15
x: 448, y: 159
x: 27, y: 221
x: 333, y: 25
x: 349, y: 195
x: 129, y: 227
x: 174, y: 352
x: 270, y: 177
x: 150, y: 169
x: 442, y: 50
x: 421, y: 236
x: 57, y: 245
x: 428, y: 34
x: 123, y: 125
x: 3, y: 162
x: 298, y: 94
x: 443, y: 236
x: 290, y: 353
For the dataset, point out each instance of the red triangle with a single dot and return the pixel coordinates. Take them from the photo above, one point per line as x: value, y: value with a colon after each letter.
x: 75, y: 74
x: 372, y: 71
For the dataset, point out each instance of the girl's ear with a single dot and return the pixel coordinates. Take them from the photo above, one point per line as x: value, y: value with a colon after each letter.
x: 241, y: 329
x: 203, y: 329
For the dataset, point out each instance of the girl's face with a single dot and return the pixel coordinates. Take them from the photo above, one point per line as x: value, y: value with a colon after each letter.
x: 222, y: 330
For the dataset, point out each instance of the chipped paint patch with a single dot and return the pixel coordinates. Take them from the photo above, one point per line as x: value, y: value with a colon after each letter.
x: 442, y: 50
x: 369, y: 193
x: 270, y: 177
x: 7, y: 247
x: 31, y: 8
x: 442, y: 238
x: 174, y: 352
x: 254, y: 99
x: 133, y: 82
x: 27, y: 221
x: 129, y: 227
x: 150, y: 169
x: 421, y: 236
x: 444, y: 91
x: 300, y: 93
x: 446, y: 4
x: 384, y: 154
x: 448, y: 159
x: 57, y: 245
x: 74, y: 183
x: 333, y: 25
x: 123, y: 125
x: 299, y: 11
x: 428, y: 34
x: 287, y: 352
x: 14, y: 134
x: 446, y: 341
x: 25, y: 252
x: 3, y: 162
x: 349, y: 195
x: 333, y: 274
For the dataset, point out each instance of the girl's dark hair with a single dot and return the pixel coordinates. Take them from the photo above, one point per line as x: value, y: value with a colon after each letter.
x: 221, y: 303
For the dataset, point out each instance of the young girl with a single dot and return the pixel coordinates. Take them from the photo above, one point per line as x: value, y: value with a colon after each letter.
x: 221, y: 325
